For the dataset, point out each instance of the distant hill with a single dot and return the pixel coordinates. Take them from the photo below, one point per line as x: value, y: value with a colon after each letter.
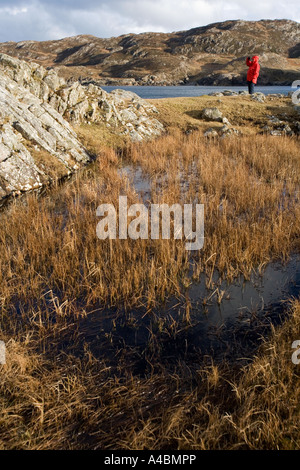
x: 208, y: 55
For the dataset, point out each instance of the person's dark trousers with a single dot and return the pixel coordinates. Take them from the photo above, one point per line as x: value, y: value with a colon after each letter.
x: 251, y: 87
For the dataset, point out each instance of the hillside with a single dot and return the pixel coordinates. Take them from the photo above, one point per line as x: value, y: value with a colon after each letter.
x: 208, y: 55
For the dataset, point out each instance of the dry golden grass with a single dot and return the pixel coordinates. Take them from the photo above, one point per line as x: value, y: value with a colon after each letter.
x: 250, y: 192
x: 50, y: 165
x: 96, y: 136
x: 76, y: 404
x: 250, y: 189
x: 56, y: 393
x: 244, y: 114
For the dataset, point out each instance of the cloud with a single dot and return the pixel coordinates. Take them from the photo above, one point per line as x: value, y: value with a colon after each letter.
x: 42, y: 20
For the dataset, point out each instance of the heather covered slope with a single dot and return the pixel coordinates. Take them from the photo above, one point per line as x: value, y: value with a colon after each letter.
x: 208, y: 55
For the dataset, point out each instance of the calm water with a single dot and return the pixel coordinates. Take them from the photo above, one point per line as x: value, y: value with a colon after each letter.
x: 230, y: 329
x: 154, y: 92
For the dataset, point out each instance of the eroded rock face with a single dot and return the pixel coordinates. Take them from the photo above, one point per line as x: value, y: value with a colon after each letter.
x: 27, y: 128
x: 124, y: 111
x: 37, y: 143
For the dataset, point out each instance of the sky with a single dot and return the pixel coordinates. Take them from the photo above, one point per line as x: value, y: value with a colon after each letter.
x: 44, y: 20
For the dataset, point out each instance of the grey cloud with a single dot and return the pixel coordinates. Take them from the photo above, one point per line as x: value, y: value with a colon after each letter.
x: 42, y: 20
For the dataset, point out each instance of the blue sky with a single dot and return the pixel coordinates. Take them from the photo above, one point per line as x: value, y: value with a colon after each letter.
x: 42, y: 20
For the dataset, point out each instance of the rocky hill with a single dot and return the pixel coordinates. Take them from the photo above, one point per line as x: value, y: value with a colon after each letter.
x: 37, y: 109
x: 208, y: 55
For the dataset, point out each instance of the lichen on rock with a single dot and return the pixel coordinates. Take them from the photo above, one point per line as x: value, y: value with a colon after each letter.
x: 80, y: 103
x: 37, y: 111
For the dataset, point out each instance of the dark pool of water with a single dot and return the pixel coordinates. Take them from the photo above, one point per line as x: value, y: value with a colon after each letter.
x: 229, y: 330
x: 227, y: 321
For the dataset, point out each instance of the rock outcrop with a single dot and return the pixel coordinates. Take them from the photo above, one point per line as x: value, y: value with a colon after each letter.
x: 33, y: 138
x: 125, y: 111
x: 37, y: 108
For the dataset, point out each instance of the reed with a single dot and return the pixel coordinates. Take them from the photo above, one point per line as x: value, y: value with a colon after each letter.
x: 55, y: 392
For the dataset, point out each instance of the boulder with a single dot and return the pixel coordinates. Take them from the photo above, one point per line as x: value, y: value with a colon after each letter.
x: 286, y: 129
x: 225, y: 121
x: 260, y: 97
x: 216, y: 93
x: 276, y: 133
x: 211, y: 133
x: 212, y: 114
x: 227, y: 131
x: 229, y: 93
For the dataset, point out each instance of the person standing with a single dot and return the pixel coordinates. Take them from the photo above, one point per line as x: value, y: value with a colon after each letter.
x: 253, y: 73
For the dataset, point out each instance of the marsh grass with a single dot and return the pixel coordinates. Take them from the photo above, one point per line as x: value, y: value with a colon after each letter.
x: 246, y: 115
x: 54, y: 271
x: 250, y: 191
x: 72, y: 403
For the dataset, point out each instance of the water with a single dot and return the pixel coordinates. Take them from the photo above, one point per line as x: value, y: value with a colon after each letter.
x: 228, y: 321
x: 155, y: 92
x: 231, y: 330
x: 247, y: 310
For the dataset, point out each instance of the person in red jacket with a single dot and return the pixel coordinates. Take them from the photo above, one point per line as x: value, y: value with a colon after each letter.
x: 253, y: 73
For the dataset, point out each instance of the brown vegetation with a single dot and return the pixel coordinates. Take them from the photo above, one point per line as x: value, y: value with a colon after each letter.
x: 56, y: 393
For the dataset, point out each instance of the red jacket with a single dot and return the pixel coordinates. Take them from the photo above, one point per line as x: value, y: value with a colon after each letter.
x: 254, y: 69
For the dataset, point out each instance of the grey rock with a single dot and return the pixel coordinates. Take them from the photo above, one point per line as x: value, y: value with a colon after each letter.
x: 2, y: 353
x: 229, y: 93
x: 286, y: 129
x: 275, y: 120
x: 275, y: 95
x: 27, y: 123
x: 212, y: 114
x: 260, y: 97
x: 216, y: 93
x: 211, y: 133
x: 225, y: 121
x: 276, y: 132
x: 227, y: 131
x: 266, y: 129
x: 35, y: 107
x: 83, y: 103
